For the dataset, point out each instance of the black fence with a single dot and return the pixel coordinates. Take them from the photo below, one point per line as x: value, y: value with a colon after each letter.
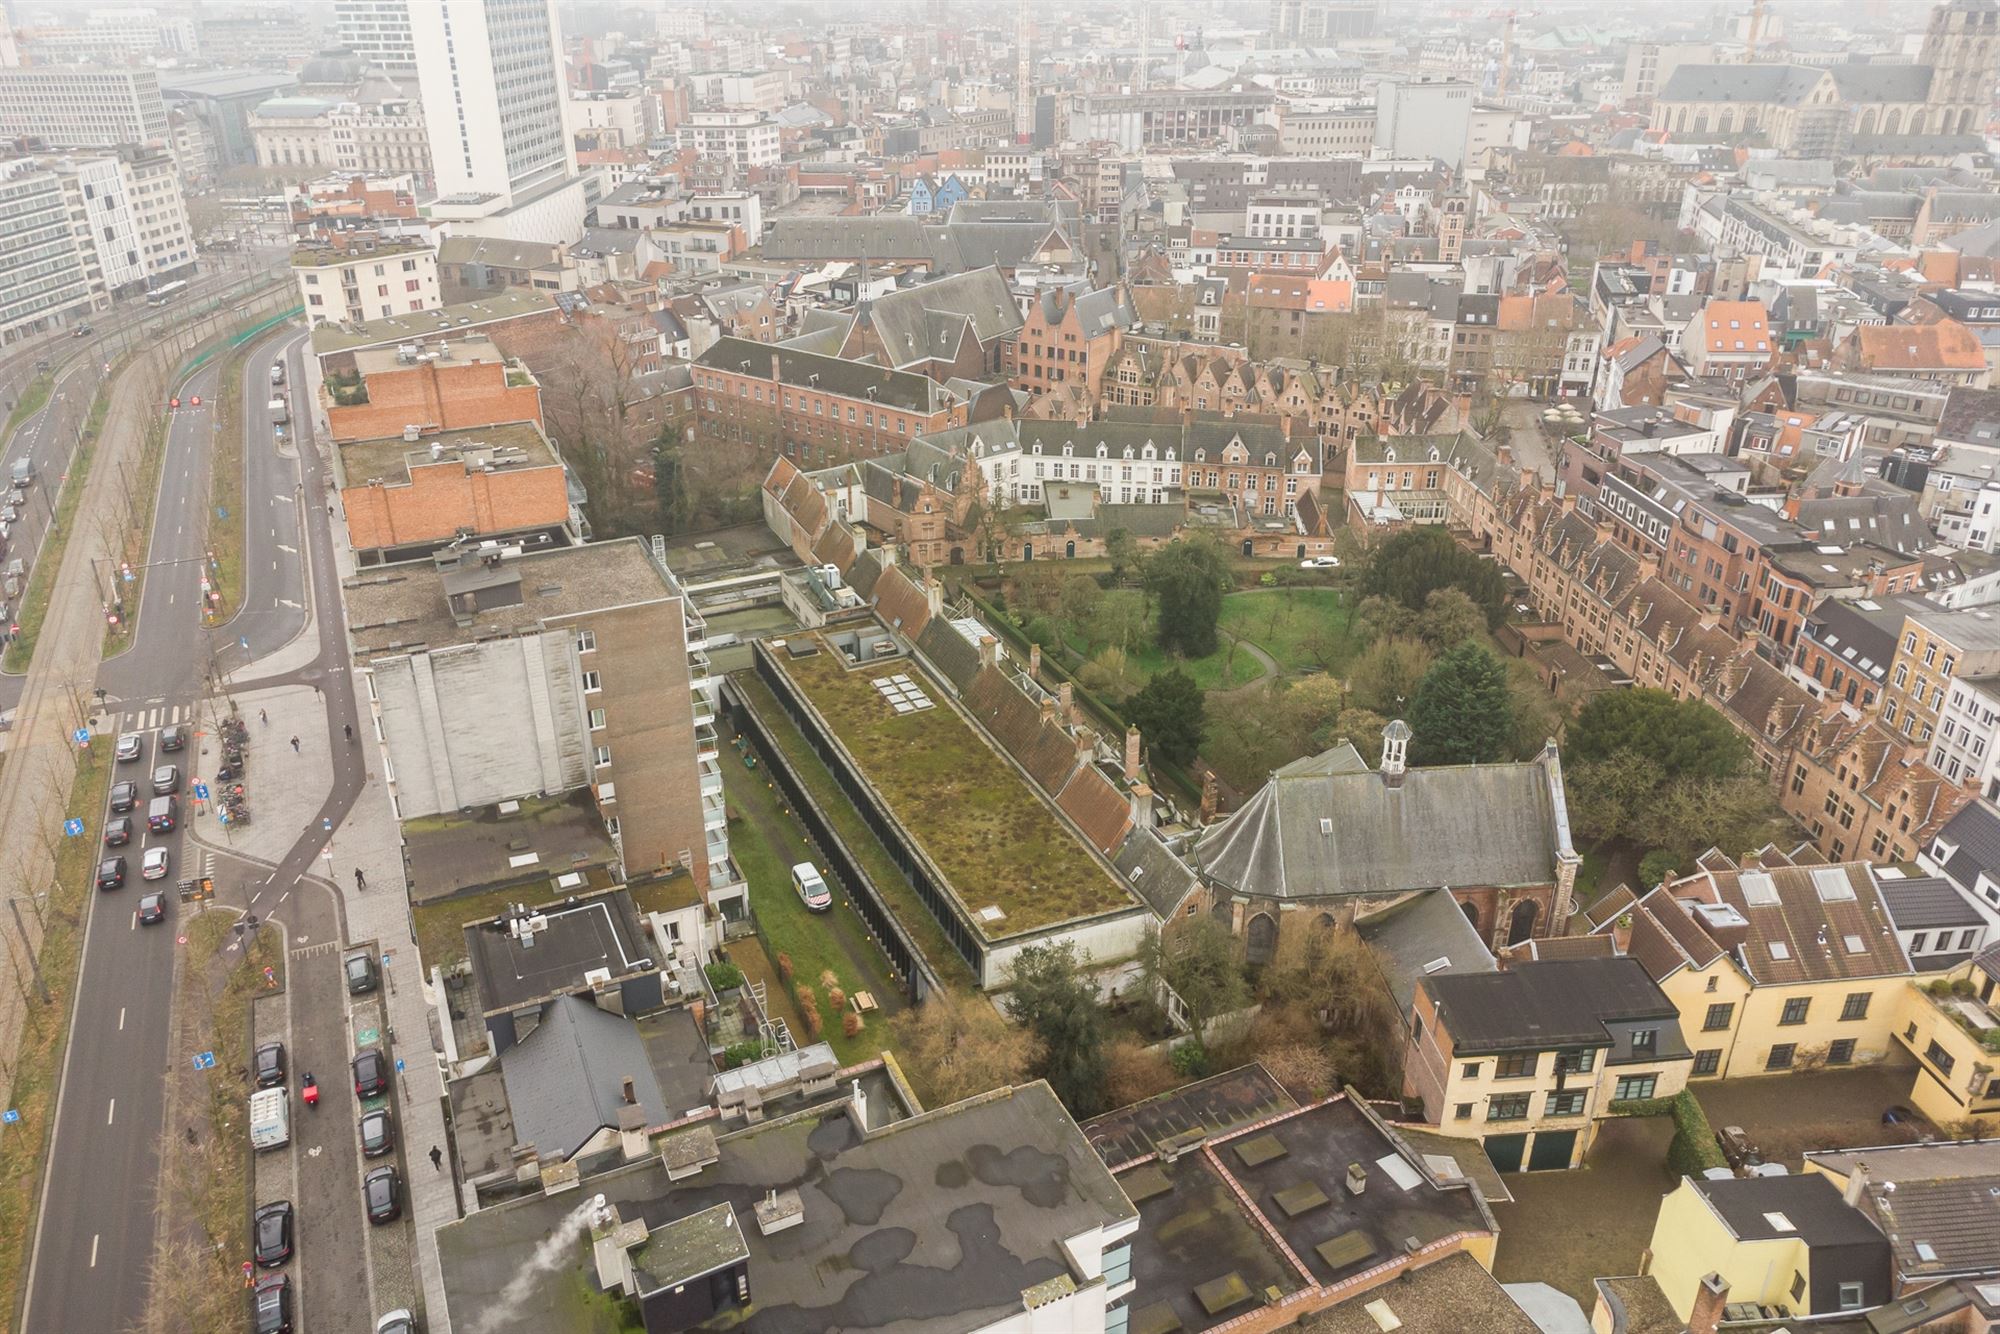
x: 908, y: 962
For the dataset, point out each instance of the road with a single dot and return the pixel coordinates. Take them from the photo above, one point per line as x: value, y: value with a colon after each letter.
x: 91, y: 1263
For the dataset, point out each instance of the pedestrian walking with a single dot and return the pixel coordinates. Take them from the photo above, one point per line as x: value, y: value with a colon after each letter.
x: 263, y: 717
x: 437, y: 1159
x: 360, y: 880
x: 295, y: 745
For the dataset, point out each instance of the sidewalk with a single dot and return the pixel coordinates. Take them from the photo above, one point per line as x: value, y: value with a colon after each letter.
x: 285, y: 791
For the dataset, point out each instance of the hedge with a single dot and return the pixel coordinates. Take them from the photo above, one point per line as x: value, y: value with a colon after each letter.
x: 1694, y: 1149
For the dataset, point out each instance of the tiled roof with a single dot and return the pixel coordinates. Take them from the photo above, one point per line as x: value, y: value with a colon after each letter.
x: 949, y: 651
x: 1806, y: 924
x: 1946, y: 344
x: 1100, y: 810
x: 1735, y: 327
x: 901, y: 603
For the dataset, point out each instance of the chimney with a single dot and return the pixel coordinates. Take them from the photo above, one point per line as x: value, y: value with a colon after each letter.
x: 1142, y: 806
x: 1709, y: 1300
x: 1857, y: 1186
x: 1503, y: 454
x: 1048, y: 709
x: 774, y: 366
x: 1621, y: 933
x: 1131, y: 754
x: 1066, y: 702
x: 1086, y: 744
x: 989, y: 651
x: 934, y: 595
x: 1035, y: 661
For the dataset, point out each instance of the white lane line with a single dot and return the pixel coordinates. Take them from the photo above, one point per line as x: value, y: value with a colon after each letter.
x: 112, y: 1113
x: 121, y: 1019
x: 135, y: 920
x: 93, y: 1249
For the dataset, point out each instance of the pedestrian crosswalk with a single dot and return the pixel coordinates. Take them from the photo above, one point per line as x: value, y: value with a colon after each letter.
x: 147, y: 719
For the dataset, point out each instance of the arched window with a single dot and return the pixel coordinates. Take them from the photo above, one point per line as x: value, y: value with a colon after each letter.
x: 1892, y: 123
x: 1260, y: 938
x: 1471, y: 911
x: 1522, y: 924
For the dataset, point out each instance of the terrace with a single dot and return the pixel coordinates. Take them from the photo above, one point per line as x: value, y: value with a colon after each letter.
x: 1011, y: 864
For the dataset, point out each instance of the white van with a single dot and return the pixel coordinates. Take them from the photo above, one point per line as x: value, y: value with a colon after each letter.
x: 270, y: 1119
x: 811, y: 887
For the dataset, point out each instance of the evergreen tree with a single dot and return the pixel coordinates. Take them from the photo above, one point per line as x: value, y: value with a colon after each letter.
x: 1058, y: 1004
x: 1462, y: 713
x: 1187, y: 579
x: 1169, y: 713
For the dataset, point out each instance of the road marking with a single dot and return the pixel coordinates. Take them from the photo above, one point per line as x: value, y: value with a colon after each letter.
x: 121, y: 1019
x: 93, y: 1249
x: 288, y: 550
x: 111, y: 1114
x: 135, y: 920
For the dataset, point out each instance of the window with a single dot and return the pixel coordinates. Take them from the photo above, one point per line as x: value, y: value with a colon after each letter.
x: 597, y: 720
x: 1517, y: 1067
x: 1917, y: 942
x: 1463, y: 1112
x: 1781, y: 1056
x: 1576, y: 1062
x: 1645, y: 1039
x: 1563, y: 1104
x: 1117, y: 1266
x: 1708, y: 1062
x: 1632, y: 1087
x: 1850, y: 1297
x: 1840, y: 1052
x: 1798, y: 1286
x: 1940, y: 1058
x: 603, y: 756
x: 592, y: 682
x: 1508, y: 1107
x: 1719, y: 1016
x: 586, y: 640
x: 1795, y: 1010
x: 1471, y: 1070
x: 1855, y: 1006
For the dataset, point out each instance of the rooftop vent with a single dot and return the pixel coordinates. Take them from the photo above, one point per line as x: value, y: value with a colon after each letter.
x: 778, y: 1210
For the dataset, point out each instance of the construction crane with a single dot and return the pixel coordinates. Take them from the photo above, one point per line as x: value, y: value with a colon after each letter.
x: 1506, y: 50
x: 1756, y: 31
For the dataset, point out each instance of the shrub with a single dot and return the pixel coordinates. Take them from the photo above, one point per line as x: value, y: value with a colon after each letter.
x: 724, y: 975
x: 829, y: 979
x: 785, y: 968
x: 836, y: 999
x: 1693, y: 1150
x: 1190, y: 1060
x: 807, y: 998
x: 850, y: 1024
x: 1657, y: 866
x: 740, y: 1053
x: 1133, y: 1073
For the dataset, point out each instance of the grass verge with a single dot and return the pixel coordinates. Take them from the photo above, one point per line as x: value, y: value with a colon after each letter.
x: 34, y: 605
x: 225, y: 485
x: 143, y: 496
x: 33, y: 399
x: 37, y: 1065
x: 860, y: 840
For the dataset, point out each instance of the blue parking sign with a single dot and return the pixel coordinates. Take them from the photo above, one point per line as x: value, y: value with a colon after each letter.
x: 399, y: 1065
x: 204, y: 1060
x: 72, y: 827
x: 11, y: 1116
x: 201, y: 792
x: 81, y: 736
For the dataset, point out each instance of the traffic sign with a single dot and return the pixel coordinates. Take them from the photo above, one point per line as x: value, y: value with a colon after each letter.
x: 243, y: 641
x: 72, y: 827
x: 11, y: 1116
x: 196, y: 400
x: 399, y: 1065
x: 81, y: 736
x: 201, y: 792
x: 173, y: 402
x: 204, y: 1060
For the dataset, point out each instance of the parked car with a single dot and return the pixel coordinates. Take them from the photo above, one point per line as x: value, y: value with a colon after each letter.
x: 811, y: 887
x: 270, y: 1065
x: 383, y: 1191
x: 378, y: 1133
x: 371, y: 1073
x: 271, y: 1305
x: 118, y: 831
x: 130, y: 747
x: 111, y: 873
x: 1320, y: 563
x: 361, y: 975
x: 397, y: 1322
x: 273, y: 1230
x: 173, y: 738
x: 1898, y: 1115
x: 166, y: 780
x: 154, y: 866
x: 124, y: 796
x: 152, y: 907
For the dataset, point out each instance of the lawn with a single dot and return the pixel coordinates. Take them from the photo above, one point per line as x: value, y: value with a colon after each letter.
x: 441, y: 925
x: 1225, y: 669
x: 36, y: 1064
x: 991, y: 835
x: 144, y: 491
x: 915, y: 918
x: 33, y: 399
x: 1289, y: 623
x: 225, y: 483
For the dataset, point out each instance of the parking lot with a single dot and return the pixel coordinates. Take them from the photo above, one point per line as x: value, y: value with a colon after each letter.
x: 1828, y: 1109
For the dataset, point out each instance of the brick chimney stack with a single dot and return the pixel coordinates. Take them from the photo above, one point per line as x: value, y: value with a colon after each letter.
x: 1066, y: 702
x: 1131, y: 754
x: 1709, y: 1300
x: 1621, y: 933
x: 989, y: 651
x: 1142, y: 806
x: 1086, y: 744
x: 1035, y: 661
x: 934, y: 595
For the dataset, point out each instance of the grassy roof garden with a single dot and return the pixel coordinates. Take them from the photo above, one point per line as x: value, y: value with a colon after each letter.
x: 964, y: 805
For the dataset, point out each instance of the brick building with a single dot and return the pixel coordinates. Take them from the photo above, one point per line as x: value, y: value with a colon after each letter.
x: 445, y: 386
x: 1863, y: 791
x: 816, y: 408
x: 1069, y: 336
x: 404, y: 499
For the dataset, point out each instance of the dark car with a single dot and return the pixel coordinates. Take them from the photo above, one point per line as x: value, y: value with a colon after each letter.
x: 166, y: 780
x: 371, y: 1073
x: 111, y: 873
x: 173, y: 738
x: 271, y: 1065
x: 361, y: 974
x: 118, y: 831
x: 271, y: 1305
x: 274, y: 1234
x: 383, y: 1189
x: 152, y: 907
x: 378, y: 1133
x: 1898, y: 1115
x: 124, y: 796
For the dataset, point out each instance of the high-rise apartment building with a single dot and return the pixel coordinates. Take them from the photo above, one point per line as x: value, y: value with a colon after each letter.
x: 42, y: 271
x: 378, y: 31
x: 81, y: 106
x: 495, y: 107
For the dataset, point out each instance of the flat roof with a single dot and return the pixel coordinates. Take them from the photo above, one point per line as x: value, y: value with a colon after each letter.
x: 319, y: 257
x: 390, y: 458
x: 507, y: 304
x: 1211, y: 1106
x: 999, y: 844
x: 402, y: 609
x: 458, y: 852
x: 450, y: 350
x: 940, y: 1222
x: 601, y: 931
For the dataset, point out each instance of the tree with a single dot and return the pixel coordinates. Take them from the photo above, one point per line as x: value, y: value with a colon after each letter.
x: 1691, y: 815
x: 1606, y: 796
x: 953, y: 1046
x: 1120, y: 620
x: 1679, y: 738
x: 1448, y: 619
x: 1415, y: 561
x: 1122, y: 550
x: 1462, y: 713
x: 1053, y: 999
x: 1243, y: 743
x: 670, y: 488
x: 1386, y: 675
x: 1169, y: 712
x: 1381, y: 617
x: 1362, y: 728
x: 1188, y: 578
x: 1307, y: 710
x: 1202, y: 963
x: 1079, y: 600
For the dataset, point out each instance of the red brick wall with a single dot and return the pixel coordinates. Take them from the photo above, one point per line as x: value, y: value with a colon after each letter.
x: 447, y: 398
x: 442, y: 498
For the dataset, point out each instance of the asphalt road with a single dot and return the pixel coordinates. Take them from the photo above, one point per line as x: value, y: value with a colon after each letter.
x: 96, y: 1235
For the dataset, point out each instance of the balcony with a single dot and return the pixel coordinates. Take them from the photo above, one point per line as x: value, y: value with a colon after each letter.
x: 1952, y: 1028
x: 711, y: 776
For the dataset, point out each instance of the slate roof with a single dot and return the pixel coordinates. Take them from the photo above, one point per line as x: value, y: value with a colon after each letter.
x: 1811, y: 1202
x: 1154, y: 873
x: 1738, y: 83
x: 1859, y: 82
x: 565, y: 1080
x: 1328, y: 825
x: 955, y: 656
x: 925, y: 321
x: 1973, y: 835
x: 1412, y: 935
x: 1970, y: 416
x: 1926, y: 902
x: 1536, y: 1006
x: 835, y: 375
